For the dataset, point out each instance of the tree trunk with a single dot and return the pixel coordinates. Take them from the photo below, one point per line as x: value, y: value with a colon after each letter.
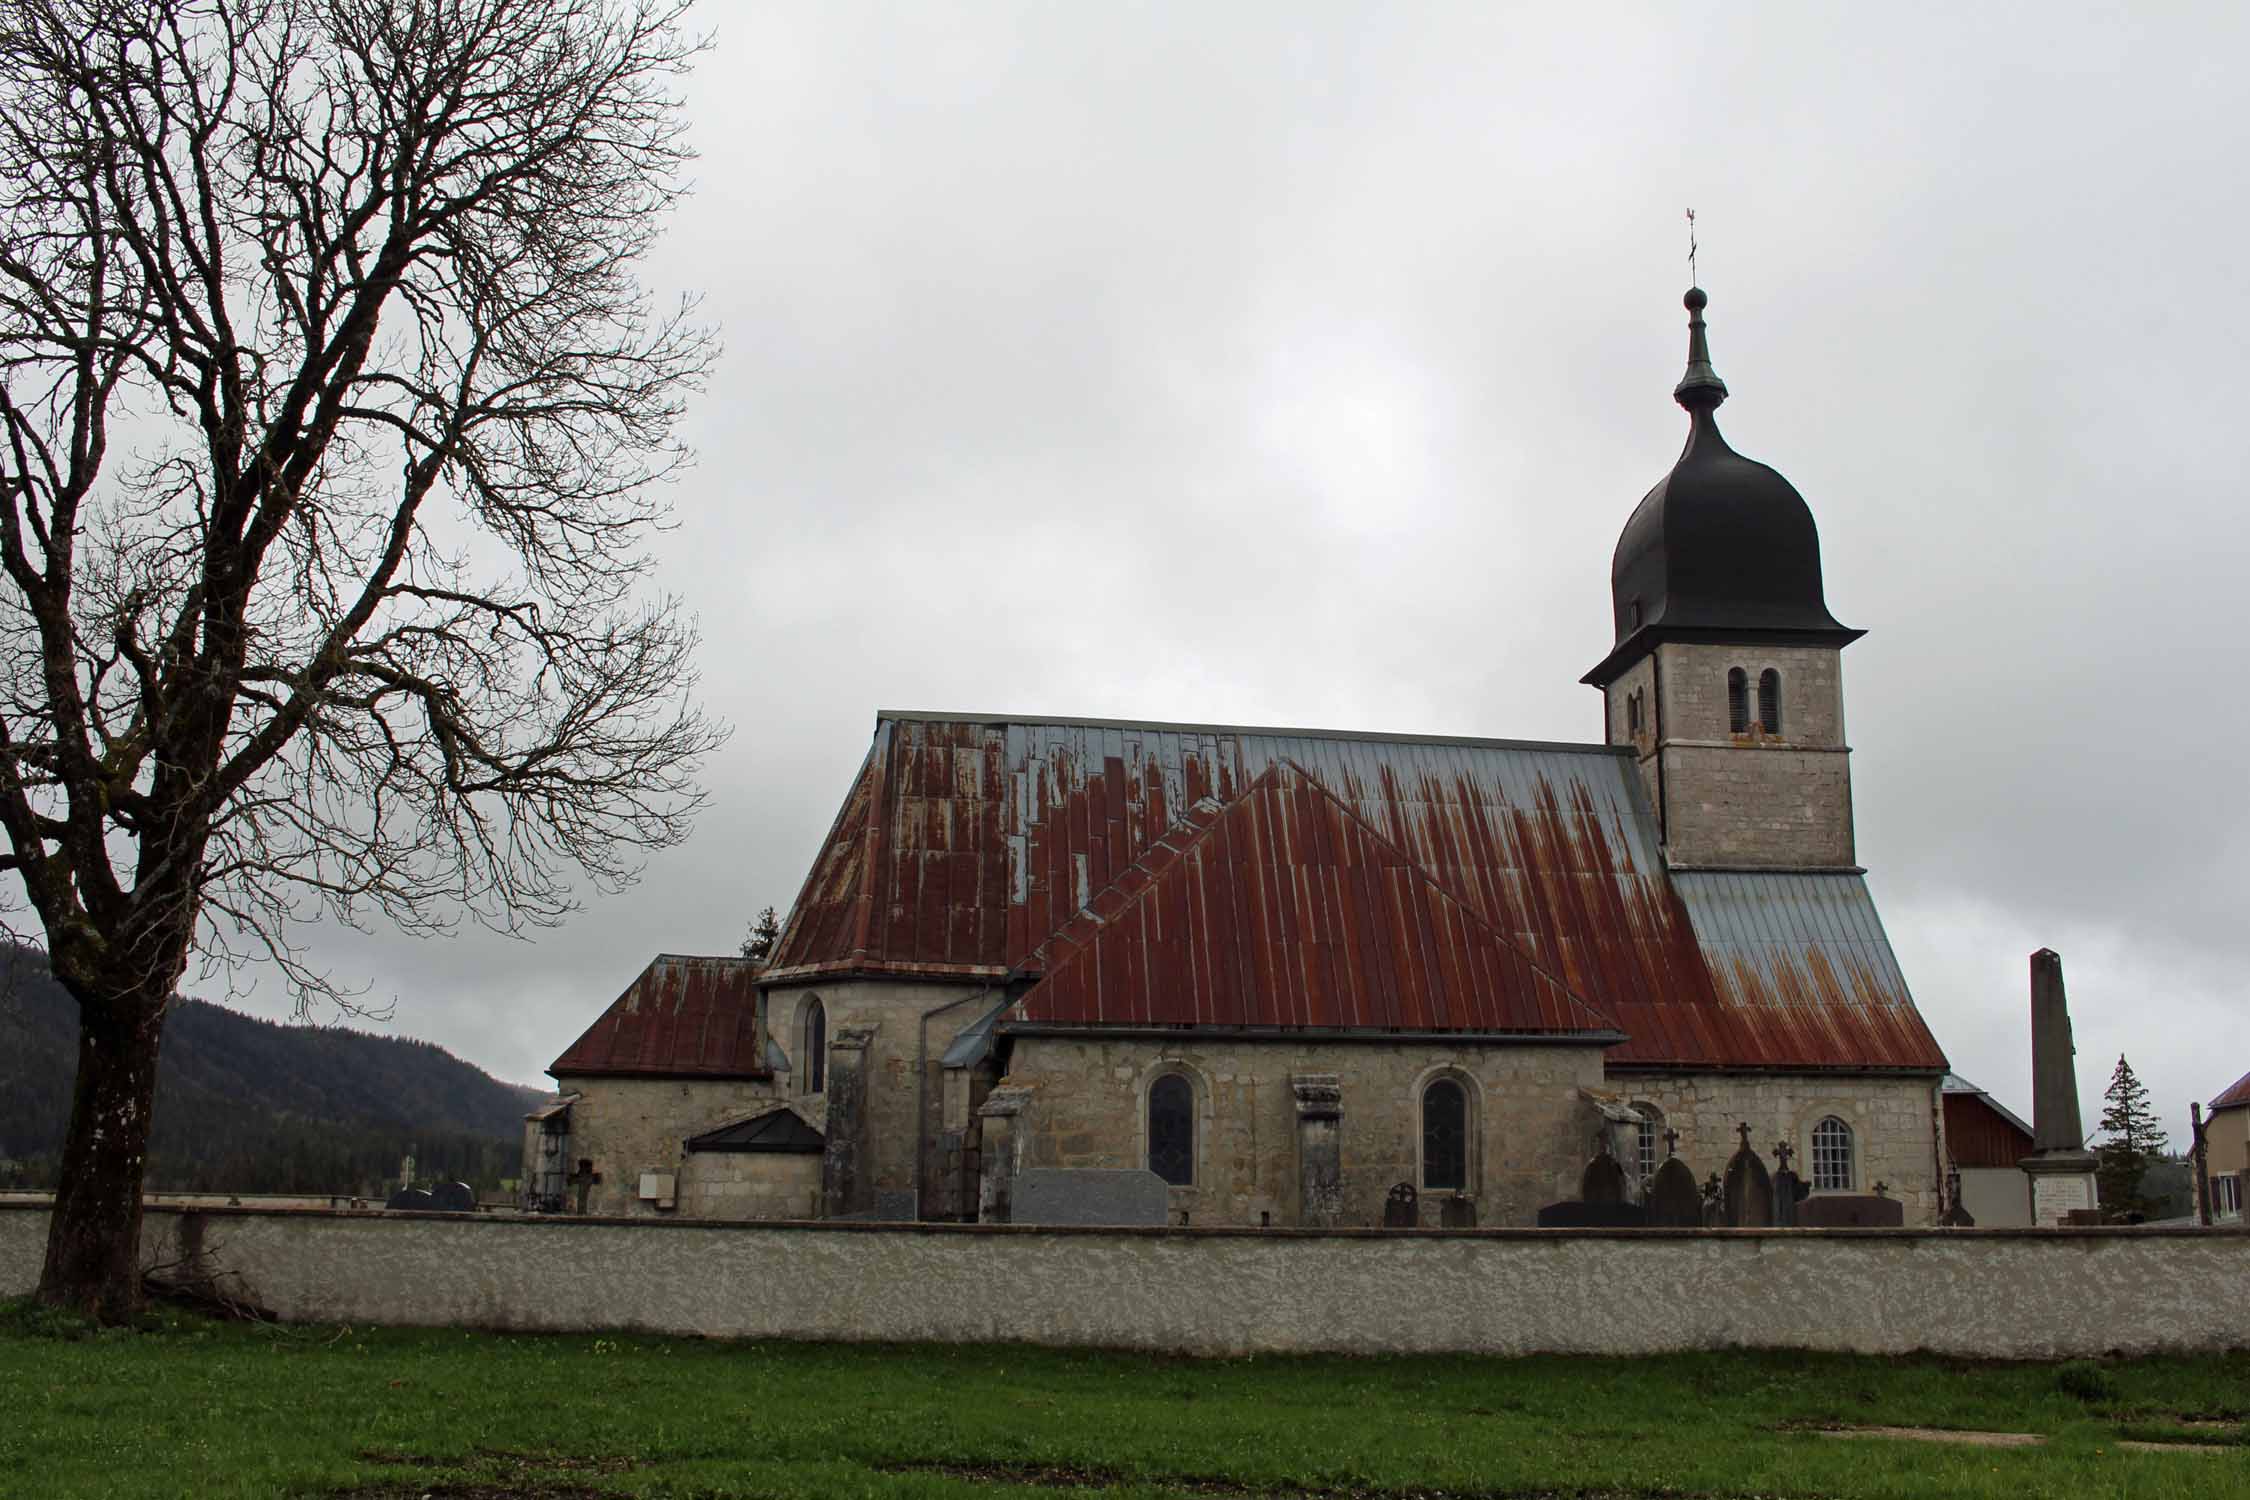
x: 94, y: 1237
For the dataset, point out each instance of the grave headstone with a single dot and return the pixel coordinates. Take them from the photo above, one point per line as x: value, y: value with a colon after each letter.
x: 1789, y: 1190
x: 1674, y: 1199
x: 1458, y: 1213
x: 1603, y: 1181
x: 414, y: 1198
x: 1850, y: 1211
x: 1574, y: 1215
x: 1090, y: 1195
x: 1748, y: 1194
x: 454, y: 1198
x: 1402, y: 1208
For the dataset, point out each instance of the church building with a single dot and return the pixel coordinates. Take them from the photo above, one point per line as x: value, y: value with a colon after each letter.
x: 1291, y: 970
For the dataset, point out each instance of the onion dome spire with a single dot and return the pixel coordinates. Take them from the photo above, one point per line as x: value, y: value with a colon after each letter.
x: 1700, y: 389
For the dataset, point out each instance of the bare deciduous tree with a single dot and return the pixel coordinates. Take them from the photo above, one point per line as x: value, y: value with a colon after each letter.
x: 330, y: 409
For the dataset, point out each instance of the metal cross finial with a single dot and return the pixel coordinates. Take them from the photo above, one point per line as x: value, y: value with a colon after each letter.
x: 1782, y: 1151
x: 1671, y: 1141
x: 1691, y: 277
x: 1743, y: 1130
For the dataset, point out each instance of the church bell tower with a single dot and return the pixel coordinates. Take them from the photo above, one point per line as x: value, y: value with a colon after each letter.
x: 1727, y: 675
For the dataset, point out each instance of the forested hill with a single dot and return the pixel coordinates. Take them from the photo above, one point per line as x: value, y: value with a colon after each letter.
x: 250, y: 1106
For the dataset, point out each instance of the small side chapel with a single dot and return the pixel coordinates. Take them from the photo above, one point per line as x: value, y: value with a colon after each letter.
x: 1289, y: 970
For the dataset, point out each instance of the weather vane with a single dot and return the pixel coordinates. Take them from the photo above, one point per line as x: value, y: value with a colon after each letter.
x: 1691, y: 277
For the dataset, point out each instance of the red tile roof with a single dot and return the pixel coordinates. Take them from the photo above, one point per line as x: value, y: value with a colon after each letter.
x: 1284, y: 908
x: 683, y: 1017
x: 2236, y: 1095
x: 965, y: 844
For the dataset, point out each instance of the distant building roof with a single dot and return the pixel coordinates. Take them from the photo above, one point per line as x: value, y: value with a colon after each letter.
x: 683, y: 1017
x: 2235, y: 1096
x: 1980, y: 1131
x: 967, y: 845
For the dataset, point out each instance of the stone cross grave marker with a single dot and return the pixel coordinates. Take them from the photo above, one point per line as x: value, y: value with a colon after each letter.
x: 1748, y: 1194
x: 1674, y: 1200
x: 1402, y: 1209
x: 1789, y: 1189
x: 1603, y: 1181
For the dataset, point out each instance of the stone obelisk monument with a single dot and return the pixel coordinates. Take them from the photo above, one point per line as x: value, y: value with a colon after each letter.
x: 2061, y: 1168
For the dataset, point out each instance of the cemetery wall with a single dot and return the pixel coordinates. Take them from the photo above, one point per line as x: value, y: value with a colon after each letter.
x: 2015, y: 1294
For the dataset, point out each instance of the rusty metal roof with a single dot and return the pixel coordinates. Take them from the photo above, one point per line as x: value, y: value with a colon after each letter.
x: 1283, y: 908
x: 683, y: 1017
x: 966, y: 843
x: 2236, y: 1095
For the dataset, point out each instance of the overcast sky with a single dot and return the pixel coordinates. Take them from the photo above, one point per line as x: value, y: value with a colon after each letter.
x: 1298, y: 364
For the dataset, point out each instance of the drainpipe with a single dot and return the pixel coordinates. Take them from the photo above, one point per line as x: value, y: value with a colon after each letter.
x: 922, y: 1084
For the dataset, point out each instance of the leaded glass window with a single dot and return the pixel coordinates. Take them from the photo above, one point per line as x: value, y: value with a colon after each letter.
x: 1445, y: 1136
x: 1832, y: 1156
x: 1171, y: 1129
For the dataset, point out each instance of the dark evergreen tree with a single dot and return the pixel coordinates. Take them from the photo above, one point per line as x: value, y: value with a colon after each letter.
x: 764, y: 933
x: 2131, y: 1142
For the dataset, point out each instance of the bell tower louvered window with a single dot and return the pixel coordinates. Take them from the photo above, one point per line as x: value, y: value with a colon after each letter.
x: 1769, y: 701
x: 1738, y: 701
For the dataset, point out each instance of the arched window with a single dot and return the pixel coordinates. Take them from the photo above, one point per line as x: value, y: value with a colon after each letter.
x: 1832, y: 1156
x: 1738, y: 701
x: 1646, y: 1158
x: 1769, y: 701
x: 816, y: 1047
x: 1445, y: 1136
x: 1171, y: 1129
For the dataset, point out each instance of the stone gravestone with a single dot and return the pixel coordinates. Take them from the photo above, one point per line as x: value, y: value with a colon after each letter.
x: 1789, y: 1189
x: 1674, y: 1199
x: 1090, y: 1195
x: 454, y: 1198
x: 1458, y: 1213
x: 1747, y: 1197
x: 1851, y: 1211
x: 414, y: 1198
x: 1603, y: 1181
x: 1402, y: 1208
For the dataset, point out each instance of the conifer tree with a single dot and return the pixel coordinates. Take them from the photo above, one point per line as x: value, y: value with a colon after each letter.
x: 2131, y: 1142
x: 764, y: 933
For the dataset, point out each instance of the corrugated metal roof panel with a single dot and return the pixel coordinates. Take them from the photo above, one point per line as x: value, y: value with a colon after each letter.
x: 1803, y: 974
x: 966, y: 844
x: 683, y: 1017
x: 1283, y: 908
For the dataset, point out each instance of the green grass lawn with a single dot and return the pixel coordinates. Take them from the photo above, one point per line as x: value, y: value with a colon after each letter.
x: 188, y: 1407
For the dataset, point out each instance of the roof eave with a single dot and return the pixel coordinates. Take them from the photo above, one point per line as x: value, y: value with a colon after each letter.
x: 1656, y: 633
x: 1309, y: 1033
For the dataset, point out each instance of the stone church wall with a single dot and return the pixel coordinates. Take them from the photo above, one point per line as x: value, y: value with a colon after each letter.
x: 903, y: 1109
x: 1531, y: 1129
x: 627, y: 1126
x: 1894, y: 1122
x: 750, y: 1185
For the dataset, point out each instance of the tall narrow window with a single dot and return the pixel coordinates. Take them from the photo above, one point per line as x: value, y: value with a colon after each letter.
x: 1445, y: 1136
x: 1738, y: 701
x: 1633, y: 713
x: 1832, y: 1156
x: 1171, y: 1129
x: 1769, y: 701
x: 816, y: 1047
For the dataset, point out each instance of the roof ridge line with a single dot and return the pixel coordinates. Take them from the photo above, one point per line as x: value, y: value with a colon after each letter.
x: 1569, y: 747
